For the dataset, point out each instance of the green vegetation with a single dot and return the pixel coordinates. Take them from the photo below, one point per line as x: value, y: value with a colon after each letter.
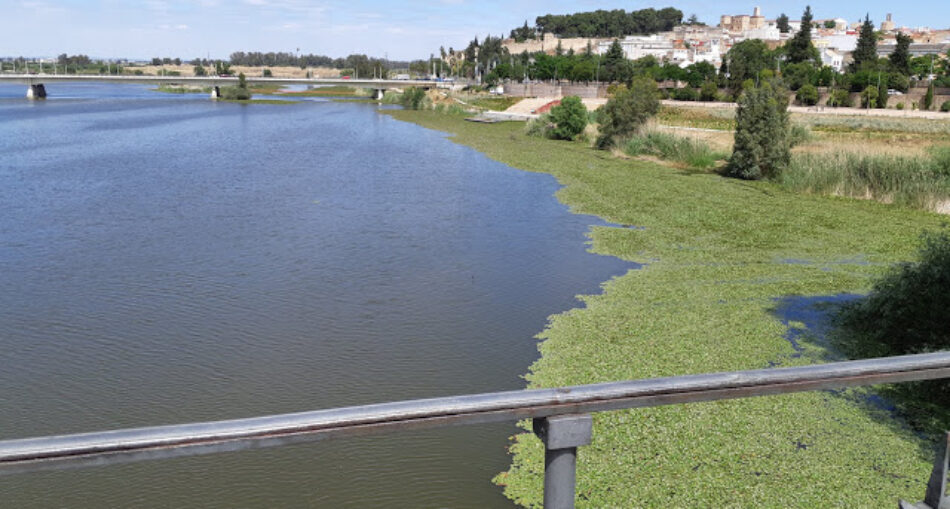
x: 172, y: 89
x: 761, y: 147
x: 906, y: 313
x: 693, y: 153
x: 614, y: 23
x: 627, y: 111
x: 569, y: 118
x: 945, y: 107
x: 704, y: 303
x: 237, y: 93
x: 413, y: 98
x: 497, y: 103
x: 807, y: 95
x: 929, y: 97
x: 921, y: 182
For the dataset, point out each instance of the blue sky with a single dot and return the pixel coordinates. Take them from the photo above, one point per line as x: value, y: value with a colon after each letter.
x: 404, y: 29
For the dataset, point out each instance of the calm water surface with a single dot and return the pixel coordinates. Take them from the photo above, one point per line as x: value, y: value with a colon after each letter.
x: 166, y: 259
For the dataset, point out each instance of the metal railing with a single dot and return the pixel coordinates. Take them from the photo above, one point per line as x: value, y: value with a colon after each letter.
x: 561, y: 417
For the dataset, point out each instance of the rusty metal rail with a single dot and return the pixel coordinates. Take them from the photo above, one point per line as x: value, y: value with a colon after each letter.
x: 562, y: 436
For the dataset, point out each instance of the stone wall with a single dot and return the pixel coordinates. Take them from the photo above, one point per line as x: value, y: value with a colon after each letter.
x: 555, y: 90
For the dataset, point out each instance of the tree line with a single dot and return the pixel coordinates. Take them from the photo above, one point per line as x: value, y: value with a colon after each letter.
x: 604, y: 23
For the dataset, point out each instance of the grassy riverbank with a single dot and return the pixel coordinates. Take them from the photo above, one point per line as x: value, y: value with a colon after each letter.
x: 721, y: 256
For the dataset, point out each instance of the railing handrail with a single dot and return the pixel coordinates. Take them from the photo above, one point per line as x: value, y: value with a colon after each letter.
x: 199, y: 438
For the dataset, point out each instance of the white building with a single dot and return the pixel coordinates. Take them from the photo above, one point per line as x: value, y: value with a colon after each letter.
x: 832, y: 58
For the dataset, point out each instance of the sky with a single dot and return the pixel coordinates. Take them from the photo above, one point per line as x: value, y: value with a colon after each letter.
x: 397, y: 29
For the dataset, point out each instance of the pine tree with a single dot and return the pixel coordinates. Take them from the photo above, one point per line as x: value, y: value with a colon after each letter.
x: 900, y: 58
x: 761, y: 146
x: 800, y: 48
x: 782, y: 23
x: 866, y: 51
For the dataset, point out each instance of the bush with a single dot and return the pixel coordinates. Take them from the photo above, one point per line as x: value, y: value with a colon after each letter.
x: 237, y: 93
x: 627, y: 111
x: 905, y: 313
x: 840, y: 98
x: 807, y: 95
x: 569, y: 118
x: 685, y: 94
x: 869, y: 97
x: 413, y: 98
x: 541, y: 126
x: 761, y: 147
x: 709, y: 92
x: 900, y: 106
x: 945, y: 107
x: 267, y: 73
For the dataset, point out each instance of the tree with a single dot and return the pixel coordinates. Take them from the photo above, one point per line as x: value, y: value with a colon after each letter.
x: 709, y: 92
x: 200, y: 71
x: 830, y: 23
x: 900, y: 57
x: 615, y: 65
x: 761, y: 146
x: 928, y: 101
x: 782, y: 23
x: 569, y: 118
x: 865, y: 54
x: 746, y: 60
x: 627, y: 111
x: 800, y: 49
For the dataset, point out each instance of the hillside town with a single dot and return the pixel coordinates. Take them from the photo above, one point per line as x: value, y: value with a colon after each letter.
x: 689, y: 44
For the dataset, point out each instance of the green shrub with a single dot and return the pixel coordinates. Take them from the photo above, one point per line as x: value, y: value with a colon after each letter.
x: 541, y: 126
x: 840, y: 98
x: 869, y: 97
x: 627, y: 111
x: 906, y: 313
x: 413, y: 98
x: 709, y: 92
x: 237, y: 93
x: 945, y: 107
x: 685, y: 94
x: 928, y: 101
x: 761, y: 147
x: 569, y: 118
x: 899, y: 106
x: 807, y: 95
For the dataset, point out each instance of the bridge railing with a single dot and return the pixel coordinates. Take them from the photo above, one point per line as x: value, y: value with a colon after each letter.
x: 561, y: 417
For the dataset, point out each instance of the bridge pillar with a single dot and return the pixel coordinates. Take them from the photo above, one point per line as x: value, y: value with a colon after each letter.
x: 36, y: 91
x: 215, y: 93
x: 562, y: 435
x: 378, y: 94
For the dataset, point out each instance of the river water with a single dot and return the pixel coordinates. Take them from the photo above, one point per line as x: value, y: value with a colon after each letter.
x: 167, y: 259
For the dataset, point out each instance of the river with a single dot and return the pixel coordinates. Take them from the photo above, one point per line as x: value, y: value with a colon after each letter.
x: 168, y: 259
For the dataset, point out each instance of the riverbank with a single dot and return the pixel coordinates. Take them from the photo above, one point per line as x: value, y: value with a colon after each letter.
x: 720, y: 255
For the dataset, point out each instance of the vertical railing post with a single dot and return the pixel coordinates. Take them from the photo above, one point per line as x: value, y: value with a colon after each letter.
x: 561, y: 435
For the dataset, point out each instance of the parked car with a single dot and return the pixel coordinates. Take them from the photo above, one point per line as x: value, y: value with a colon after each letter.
x: 891, y: 91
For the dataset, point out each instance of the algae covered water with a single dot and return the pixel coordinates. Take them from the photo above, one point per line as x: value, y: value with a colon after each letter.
x: 166, y: 259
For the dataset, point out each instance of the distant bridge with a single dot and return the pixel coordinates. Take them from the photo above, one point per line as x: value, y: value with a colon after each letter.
x: 36, y: 83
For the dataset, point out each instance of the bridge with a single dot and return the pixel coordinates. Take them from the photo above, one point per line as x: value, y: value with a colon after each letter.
x: 36, y: 83
x: 561, y: 417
